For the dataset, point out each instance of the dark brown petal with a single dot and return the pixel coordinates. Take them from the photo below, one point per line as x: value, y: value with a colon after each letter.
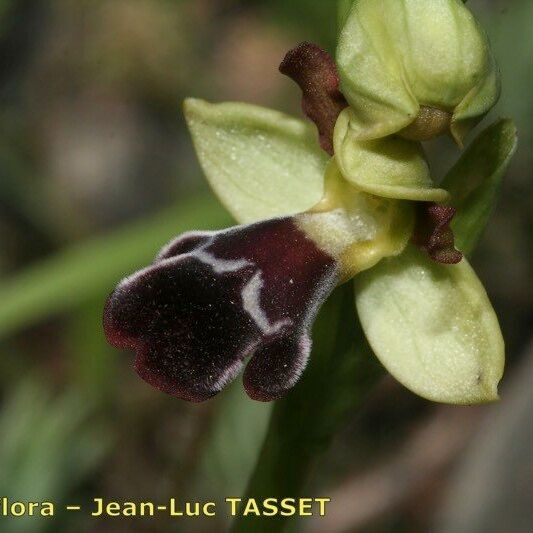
x: 433, y: 233
x: 212, y: 299
x: 276, y: 366
x: 314, y: 70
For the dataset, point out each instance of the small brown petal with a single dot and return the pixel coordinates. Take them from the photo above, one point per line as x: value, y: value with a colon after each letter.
x: 314, y: 70
x: 433, y: 233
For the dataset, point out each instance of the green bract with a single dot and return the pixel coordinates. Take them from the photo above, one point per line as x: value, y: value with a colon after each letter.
x: 391, y: 167
x: 433, y: 327
x: 474, y: 182
x: 424, y: 65
x: 260, y: 162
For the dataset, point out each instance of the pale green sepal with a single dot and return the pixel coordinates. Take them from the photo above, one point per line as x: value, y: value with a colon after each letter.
x: 261, y: 163
x: 477, y: 103
x: 372, y: 78
x: 391, y: 167
x: 396, y: 55
x: 343, y: 8
x: 433, y: 327
x: 474, y: 181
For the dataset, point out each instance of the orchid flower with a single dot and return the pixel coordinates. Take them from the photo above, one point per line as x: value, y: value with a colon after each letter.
x: 348, y: 207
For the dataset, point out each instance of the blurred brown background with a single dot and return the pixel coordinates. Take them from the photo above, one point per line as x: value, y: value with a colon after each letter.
x: 97, y: 171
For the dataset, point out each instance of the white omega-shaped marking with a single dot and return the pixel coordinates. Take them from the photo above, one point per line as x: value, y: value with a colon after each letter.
x: 219, y: 266
x: 251, y: 303
x: 250, y: 294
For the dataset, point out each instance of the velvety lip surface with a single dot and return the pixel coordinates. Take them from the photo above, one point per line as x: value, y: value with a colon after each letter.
x: 211, y: 299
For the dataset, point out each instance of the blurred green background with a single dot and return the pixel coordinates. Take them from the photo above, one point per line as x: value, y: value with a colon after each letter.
x: 97, y: 172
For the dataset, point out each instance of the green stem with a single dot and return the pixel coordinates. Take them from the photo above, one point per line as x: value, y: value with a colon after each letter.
x: 341, y: 372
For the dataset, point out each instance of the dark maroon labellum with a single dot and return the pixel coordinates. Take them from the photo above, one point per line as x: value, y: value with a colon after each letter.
x: 211, y: 299
x: 433, y: 233
x: 314, y: 70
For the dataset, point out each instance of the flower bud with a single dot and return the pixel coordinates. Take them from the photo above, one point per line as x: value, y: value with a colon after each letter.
x: 415, y: 67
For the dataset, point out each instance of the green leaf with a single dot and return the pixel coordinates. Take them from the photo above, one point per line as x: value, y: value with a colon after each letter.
x: 261, y: 163
x: 391, y: 167
x: 433, y: 327
x: 92, y: 269
x: 474, y: 182
x: 49, y: 446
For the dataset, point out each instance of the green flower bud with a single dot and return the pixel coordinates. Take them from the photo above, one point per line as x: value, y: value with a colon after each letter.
x: 415, y: 67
